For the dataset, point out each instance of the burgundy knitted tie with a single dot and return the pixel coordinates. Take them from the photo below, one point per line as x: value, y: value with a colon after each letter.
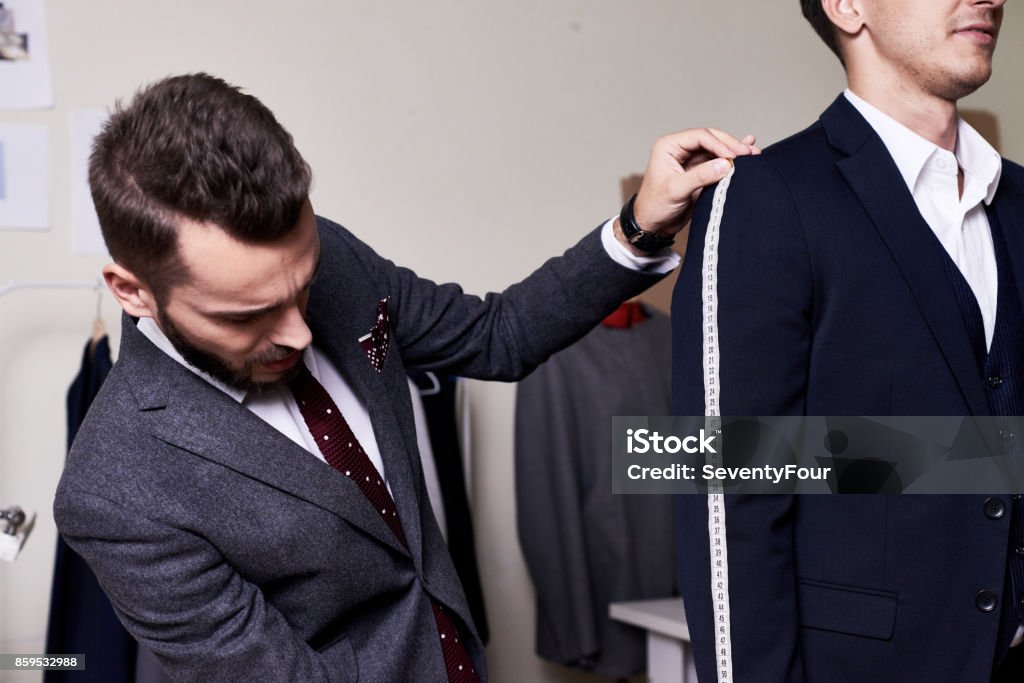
x: 342, y: 451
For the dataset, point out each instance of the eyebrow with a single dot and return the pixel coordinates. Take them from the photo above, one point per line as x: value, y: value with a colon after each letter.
x: 263, y: 310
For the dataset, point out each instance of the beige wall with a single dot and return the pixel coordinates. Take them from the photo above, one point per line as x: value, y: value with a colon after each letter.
x: 467, y: 140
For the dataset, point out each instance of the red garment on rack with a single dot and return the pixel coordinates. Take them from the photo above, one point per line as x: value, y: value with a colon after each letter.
x: 626, y: 315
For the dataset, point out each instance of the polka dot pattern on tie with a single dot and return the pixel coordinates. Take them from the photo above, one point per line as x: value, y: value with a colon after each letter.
x: 345, y: 454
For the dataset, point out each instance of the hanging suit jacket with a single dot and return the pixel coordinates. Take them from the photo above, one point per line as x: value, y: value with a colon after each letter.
x: 586, y: 548
x: 834, y: 300
x: 236, y: 555
x: 81, y: 617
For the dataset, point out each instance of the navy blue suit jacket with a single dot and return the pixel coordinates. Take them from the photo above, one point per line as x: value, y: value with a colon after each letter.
x: 834, y: 300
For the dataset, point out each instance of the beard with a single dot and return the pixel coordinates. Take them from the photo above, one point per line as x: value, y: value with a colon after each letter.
x: 220, y: 369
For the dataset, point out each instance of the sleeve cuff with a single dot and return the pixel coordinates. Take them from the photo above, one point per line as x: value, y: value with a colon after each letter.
x: 664, y: 261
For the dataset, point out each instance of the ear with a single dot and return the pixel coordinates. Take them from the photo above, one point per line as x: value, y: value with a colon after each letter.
x: 846, y: 15
x: 134, y: 296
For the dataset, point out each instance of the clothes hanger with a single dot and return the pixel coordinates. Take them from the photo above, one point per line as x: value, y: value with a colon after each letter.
x: 435, y: 385
x: 99, y: 330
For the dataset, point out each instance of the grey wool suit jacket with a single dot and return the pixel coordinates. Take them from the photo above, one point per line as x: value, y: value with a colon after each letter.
x: 236, y: 555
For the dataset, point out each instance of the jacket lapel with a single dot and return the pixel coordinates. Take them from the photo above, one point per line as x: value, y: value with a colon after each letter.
x: 873, y: 176
x: 1013, y: 226
x: 188, y: 413
x: 338, y: 337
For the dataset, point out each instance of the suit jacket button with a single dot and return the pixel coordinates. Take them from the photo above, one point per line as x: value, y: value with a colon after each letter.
x: 994, y: 508
x: 985, y: 600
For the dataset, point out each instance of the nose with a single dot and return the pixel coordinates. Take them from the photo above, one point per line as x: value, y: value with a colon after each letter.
x: 292, y: 330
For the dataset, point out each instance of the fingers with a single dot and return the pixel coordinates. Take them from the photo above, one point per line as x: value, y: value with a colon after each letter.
x: 740, y: 147
x: 681, y: 164
x: 710, y: 172
x: 664, y: 204
x: 749, y: 140
x: 687, y: 143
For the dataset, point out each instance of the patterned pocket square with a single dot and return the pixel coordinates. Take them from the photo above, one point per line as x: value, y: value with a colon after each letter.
x: 376, y: 342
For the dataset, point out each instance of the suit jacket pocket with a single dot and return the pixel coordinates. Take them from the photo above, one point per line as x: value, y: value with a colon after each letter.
x: 340, y: 660
x: 847, y: 609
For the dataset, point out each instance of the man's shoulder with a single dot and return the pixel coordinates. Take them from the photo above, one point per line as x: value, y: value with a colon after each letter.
x: 335, y: 236
x: 133, y: 396
x: 325, y: 226
x: 799, y: 161
x: 810, y: 141
x: 342, y: 250
x: 111, y: 417
x: 791, y: 155
x: 109, y: 431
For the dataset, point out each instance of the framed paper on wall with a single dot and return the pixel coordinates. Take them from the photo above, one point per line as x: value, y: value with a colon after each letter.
x: 24, y: 56
x: 24, y: 177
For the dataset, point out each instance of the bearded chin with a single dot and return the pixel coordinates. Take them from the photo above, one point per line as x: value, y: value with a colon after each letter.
x: 210, y: 363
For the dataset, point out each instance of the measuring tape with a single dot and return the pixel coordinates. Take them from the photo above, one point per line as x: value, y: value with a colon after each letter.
x: 712, y: 425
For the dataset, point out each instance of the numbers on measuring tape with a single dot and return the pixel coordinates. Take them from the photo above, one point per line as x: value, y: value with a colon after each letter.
x: 719, y: 550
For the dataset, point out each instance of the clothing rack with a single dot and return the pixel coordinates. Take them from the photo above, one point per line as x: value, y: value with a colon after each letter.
x: 16, y: 525
x: 13, y: 285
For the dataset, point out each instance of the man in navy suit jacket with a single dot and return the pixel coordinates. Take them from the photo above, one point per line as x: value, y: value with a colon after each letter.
x: 872, y: 264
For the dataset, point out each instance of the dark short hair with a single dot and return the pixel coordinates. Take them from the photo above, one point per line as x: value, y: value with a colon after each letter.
x: 192, y: 147
x: 815, y: 14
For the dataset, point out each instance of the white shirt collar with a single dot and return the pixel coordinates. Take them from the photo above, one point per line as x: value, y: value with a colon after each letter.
x: 911, y: 152
x: 978, y: 159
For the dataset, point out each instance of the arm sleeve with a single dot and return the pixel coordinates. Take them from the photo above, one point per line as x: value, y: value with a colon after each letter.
x: 765, y: 286
x: 176, y: 595
x: 502, y: 336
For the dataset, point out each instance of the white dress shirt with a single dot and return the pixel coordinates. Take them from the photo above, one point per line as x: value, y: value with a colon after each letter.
x: 959, y: 222
x: 277, y: 406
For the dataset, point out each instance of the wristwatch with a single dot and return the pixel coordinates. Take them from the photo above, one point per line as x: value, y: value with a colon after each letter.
x: 637, y: 236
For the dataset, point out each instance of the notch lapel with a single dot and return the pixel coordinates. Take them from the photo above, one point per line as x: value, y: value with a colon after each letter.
x: 188, y: 413
x: 338, y: 337
x: 1013, y: 231
x: 875, y: 179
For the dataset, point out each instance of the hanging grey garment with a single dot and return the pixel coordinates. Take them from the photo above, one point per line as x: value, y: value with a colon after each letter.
x: 584, y: 547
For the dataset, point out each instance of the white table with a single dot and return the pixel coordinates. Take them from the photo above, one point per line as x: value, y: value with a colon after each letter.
x: 669, y: 657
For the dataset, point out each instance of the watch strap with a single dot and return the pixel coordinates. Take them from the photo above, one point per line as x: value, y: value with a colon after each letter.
x: 637, y: 236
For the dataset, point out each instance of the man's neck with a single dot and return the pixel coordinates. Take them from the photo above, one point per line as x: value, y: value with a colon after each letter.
x: 933, y: 118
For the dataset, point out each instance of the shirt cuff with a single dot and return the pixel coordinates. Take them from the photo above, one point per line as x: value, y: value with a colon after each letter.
x: 658, y: 263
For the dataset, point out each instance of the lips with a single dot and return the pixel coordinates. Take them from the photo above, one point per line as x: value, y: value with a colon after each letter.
x: 981, y: 32
x: 285, y: 363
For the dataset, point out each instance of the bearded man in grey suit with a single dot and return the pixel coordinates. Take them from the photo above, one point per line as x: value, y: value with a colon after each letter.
x: 234, y: 538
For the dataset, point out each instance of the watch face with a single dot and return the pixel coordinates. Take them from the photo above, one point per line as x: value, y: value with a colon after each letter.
x: 637, y: 236
x: 650, y: 242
